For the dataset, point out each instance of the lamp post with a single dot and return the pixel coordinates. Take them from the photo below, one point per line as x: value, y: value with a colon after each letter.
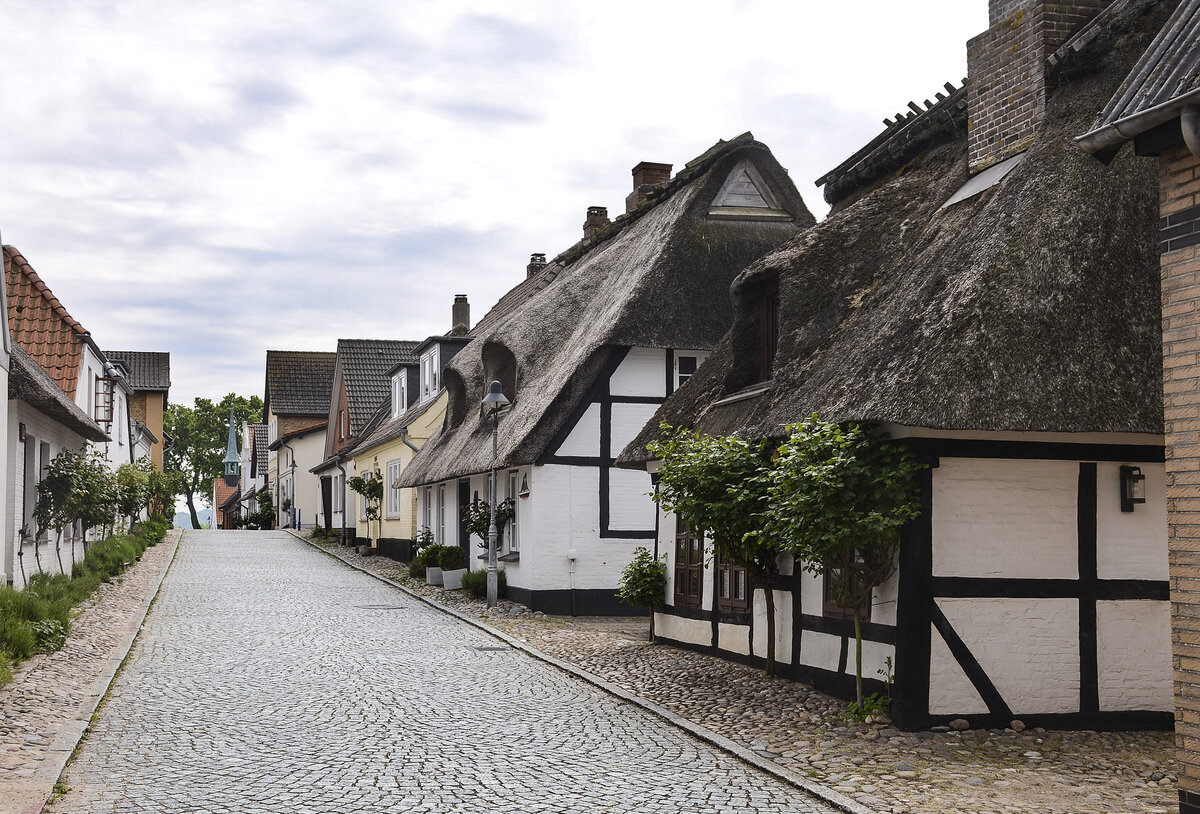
x: 493, y: 401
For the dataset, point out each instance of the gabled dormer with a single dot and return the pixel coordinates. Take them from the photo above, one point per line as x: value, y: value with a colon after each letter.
x: 405, y: 387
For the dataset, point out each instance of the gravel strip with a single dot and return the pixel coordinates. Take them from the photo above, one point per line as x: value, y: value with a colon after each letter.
x: 45, y: 709
x: 804, y: 730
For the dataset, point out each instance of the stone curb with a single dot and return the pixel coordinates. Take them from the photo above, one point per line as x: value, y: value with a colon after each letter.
x: 726, y: 745
x: 72, y: 733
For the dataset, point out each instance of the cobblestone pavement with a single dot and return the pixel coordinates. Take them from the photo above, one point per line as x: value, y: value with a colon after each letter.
x: 47, y: 704
x: 270, y: 678
x: 992, y: 772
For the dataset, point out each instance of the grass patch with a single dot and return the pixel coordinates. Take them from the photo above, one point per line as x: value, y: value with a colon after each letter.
x: 38, y: 618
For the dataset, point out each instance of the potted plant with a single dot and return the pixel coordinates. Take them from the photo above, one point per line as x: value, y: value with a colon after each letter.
x: 453, y: 562
x: 431, y: 558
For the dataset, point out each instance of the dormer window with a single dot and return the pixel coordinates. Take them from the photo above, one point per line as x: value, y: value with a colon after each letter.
x: 429, y: 373
x: 104, y: 400
x: 768, y: 328
x: 399, y: 392
x: 686, y: 363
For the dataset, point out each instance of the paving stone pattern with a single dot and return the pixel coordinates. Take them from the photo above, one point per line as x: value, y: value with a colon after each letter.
x: 50, y: 697
x: 269, y: 677
x: 892, y: 772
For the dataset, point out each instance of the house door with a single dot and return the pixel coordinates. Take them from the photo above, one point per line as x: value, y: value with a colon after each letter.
x: 327, y: 501
x: 464, y: 500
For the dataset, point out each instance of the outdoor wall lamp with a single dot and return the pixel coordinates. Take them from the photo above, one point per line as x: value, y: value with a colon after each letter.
x: 1133, y: 487
x: 492, y: 403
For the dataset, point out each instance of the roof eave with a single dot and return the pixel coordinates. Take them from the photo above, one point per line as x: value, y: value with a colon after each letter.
x: 1130, y: 127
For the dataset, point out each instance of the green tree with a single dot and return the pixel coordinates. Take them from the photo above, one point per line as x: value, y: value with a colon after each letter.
x: 369, y: 486
x: 199, y: 435
x: 838, y: 497
x: 644, y: 583
x: 718, y: 486
x: 133, y: 490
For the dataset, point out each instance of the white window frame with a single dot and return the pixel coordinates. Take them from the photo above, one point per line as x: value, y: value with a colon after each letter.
x: 399, y: 393
x: 514, y: 526
x: 427, y: 508
x: 697, y: 355
x: 430, y: 372
x: 337, y: 493
x: 393, y: 495
x: 440, y: 534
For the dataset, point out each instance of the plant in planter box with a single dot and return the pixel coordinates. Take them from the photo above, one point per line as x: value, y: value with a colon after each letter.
x: 431, y: 558
x: 478, y: 515
x: 416, y: 565
x: 453, y: 561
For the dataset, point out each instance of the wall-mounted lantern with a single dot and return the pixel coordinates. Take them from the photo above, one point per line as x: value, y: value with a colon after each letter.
x: 1133, y: 487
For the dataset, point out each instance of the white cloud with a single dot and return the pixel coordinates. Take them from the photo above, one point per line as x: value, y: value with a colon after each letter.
x: 215, y: 179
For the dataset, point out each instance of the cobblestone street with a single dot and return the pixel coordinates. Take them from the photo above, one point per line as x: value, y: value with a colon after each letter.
x: 269, y: 677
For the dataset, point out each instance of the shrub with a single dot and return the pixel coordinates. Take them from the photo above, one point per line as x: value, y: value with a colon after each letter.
x: 452, y: 557
x: 644, y: 583
x: 416, y: 568
x: 431, y: 557
x: 475, y: 583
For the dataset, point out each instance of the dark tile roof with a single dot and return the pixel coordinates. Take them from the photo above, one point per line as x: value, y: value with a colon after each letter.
x: 260, y: 447
x: 40, y: 324
x: 365, y: 364
x: 148, y: 370
x: 1164, y: 79
x: 383, y: 428
x: 28, y: 382
x: 298, y: 382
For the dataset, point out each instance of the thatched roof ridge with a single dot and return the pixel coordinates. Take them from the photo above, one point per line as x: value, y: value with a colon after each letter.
x: 1030, y: 307
x: 658, y: 277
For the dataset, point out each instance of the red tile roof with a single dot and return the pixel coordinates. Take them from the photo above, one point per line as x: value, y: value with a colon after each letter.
x: 40, y: 324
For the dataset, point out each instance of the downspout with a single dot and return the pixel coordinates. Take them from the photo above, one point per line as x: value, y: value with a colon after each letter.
x: 407, y: 443
x: 1189, y: 123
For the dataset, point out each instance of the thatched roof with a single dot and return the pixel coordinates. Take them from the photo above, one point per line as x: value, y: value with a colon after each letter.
x: 28, y: 382
x: 1033, y: 306
x: 657, y: 277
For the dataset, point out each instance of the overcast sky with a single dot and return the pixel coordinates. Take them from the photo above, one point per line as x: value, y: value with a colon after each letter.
x: 214, y: 179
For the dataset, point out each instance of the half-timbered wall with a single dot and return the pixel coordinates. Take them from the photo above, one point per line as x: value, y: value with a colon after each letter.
x: 1022, y: 590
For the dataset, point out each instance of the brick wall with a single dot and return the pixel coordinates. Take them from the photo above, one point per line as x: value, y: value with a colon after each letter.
x: 1006, y: 73
x: 1180, y: 200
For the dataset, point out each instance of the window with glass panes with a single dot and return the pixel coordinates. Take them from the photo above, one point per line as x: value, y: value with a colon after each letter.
x: 440, y: 534
x: 514, y: 526
x: 393, y: 494
x: 732, y: 586
x: 689, y: 565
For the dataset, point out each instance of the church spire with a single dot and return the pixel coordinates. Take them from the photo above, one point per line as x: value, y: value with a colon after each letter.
x: 232, y: 468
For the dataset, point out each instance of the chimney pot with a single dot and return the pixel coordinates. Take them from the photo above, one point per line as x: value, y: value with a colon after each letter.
x: 597, y: 219
x: 460, y: 316
x: 537, y: 262
x: 646, y: 176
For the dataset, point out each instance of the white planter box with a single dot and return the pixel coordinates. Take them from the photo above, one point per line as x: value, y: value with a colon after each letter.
x: 433, y: 576
x: 452, y: 579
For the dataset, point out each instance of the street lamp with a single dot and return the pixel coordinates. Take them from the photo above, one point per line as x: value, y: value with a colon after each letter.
x: 493, y: 401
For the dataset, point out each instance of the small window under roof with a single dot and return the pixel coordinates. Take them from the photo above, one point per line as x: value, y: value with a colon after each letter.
x: 745, y: 195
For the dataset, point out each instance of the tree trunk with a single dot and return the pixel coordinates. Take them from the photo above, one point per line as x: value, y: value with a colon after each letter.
x: 769, y: 592
x: 191, y: 504
x: 858, y: 656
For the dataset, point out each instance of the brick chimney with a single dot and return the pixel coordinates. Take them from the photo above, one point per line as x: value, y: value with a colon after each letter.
x: 1006, y: 72
x: 460, y: 316
x: 646, y: 176
x: 537, y: 262
x: 597, y: 219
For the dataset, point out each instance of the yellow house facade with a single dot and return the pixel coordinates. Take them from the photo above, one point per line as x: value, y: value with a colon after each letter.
x: 387, y: 450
